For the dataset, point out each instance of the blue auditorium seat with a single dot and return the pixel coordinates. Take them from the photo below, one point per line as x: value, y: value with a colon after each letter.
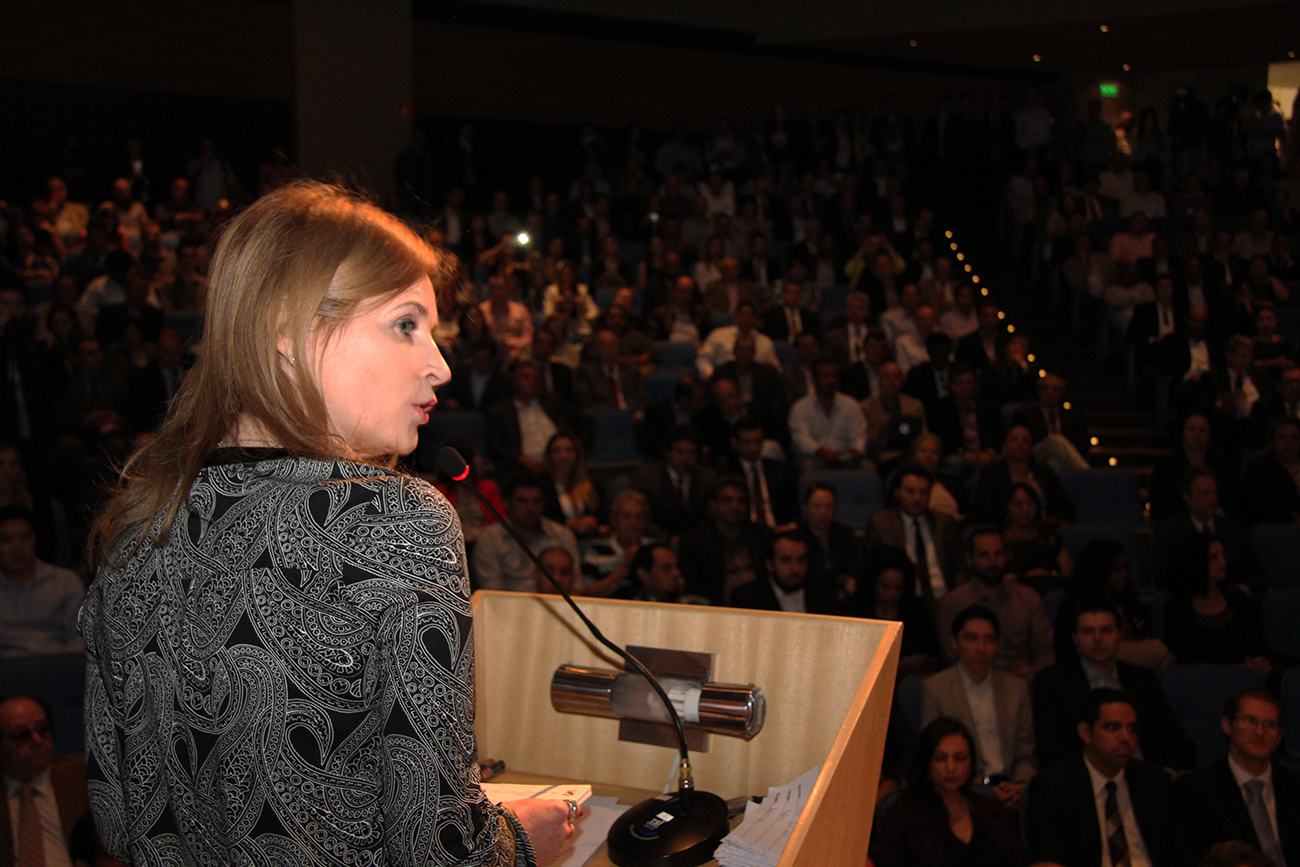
x: 59, y: 681
x: 659, y: 384
x: 858, y: 493
x: 1197, y: 694
x: 674, y: 354
x: 1282, y: 621
x: 1291, y: 702
x: 908, y: 697
x: 833, y: 301
x: 615, y: 438
x: 1078, y: 534
x: 1103, y: 495
x: 1275, y: 546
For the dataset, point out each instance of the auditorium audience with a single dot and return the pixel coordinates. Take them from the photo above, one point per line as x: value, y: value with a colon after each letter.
x: 1018, y: 465
x: 726, y: 549
x: 930, y: 538
x: 497, y: 563
x: 39, y: 602
x: 572, y: 497
x: 1102, y: 573
x: 1035, y: 556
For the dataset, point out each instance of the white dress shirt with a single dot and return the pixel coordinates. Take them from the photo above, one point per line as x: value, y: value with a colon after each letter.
x: 56, y: 846
x: 1137, y: 849
x: 535, y: 428
x: 984, y: 712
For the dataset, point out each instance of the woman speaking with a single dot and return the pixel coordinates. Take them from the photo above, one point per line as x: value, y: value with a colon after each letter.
x: 281, y: 657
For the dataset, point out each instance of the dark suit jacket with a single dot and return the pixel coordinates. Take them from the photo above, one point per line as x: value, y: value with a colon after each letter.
x: 497, y: 388
x: 1174, y: 531
x: 1061, y: 815
x: 1073, y: 425
x: 68, y: 778
x: 780, y: 487
x: 776, y: 326
x: 653, y: 481
x: 944, y: 419
x: 970, y: 349
x: 769, y: 402
x: 886, y: 528
x: 993, y: 492
x: 561, y: 380
x: 759, y: 596
x: 591, y: 389
x: 504, y: 439
x: 111, y: 323
x: 854, y: 381
x: 702, y: 556
x: 1060, y: 693
x: 1145, y: 323
x: 1208, y: 808
x: 920, y: 383
x: 774, y: 271
x: 909, y: 835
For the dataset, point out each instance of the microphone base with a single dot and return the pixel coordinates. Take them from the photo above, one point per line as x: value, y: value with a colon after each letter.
x: 669, y: 831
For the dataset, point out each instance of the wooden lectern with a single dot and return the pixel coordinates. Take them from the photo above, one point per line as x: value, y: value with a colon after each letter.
x: 829, y: 683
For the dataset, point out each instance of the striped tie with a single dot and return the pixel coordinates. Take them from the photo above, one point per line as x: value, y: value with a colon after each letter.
x: 31, y: 840
x: 1115, y: 839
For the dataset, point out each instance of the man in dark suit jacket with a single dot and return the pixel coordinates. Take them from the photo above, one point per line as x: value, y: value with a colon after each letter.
x: 1200, y: 489
x: 944, y: 418
x: 726, y: 549
x: 1210, y: 804
x: 1156, y: 319
x: 677, y: 487
x: 1061, y: 692
x: 1051, y: 415
x: 910, y: 515
x: 480, y: 383
x: 505, y: 440
x: 27, y: 754
x: 974, y: 348
x: 663, y: 416
x: 758, y: 267
x: 604, y: 383
x: 797, y: 378
x: 779, y: 318
x: 151, y: 388
x: 929, y: 381
x: 785, y: 588
x: 1062, y: 818
x: 760, y: 389
x: 557, y: 377
x: 772, y: 497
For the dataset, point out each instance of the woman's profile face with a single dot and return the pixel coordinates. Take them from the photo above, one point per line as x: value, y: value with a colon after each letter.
x: 379, y: 370
x: 1022, y: 510
x: 950, y: 764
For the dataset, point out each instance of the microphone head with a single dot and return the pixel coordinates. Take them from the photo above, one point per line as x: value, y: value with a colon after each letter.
x: 451, y: 463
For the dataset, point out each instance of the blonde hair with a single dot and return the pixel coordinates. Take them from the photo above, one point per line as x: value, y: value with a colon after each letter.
x: 295, y: 266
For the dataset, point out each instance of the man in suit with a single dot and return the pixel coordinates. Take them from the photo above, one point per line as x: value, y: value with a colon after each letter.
x: 1059, y: 431
x: 1103, y: 794
x: 1155, y: 320
x: 729, y: 290
x: 518, y: 427
x: 772, y: 498
x: 1200, y: 487
x: 605, y: 383
x: 785, y: 587
x: 1245, y: 796
x: 861, y: 379
x: 662, y: 416
x: 993, y: 705
x: 677, y: 487
x: 1061, y: 691
x: 151, y: 388
x: 45, y: 795
x: 557, y: 377
x: 986, y: 346
x: 930, y: 538
x: 929, y: 381
x: 726, y: 549
x: 845, y: 339
x: 970, y: 428
x: 759, y: 267
x: 1187, y: 357
x: 760, y: 387
x: 480, y: 383
x: 1283, y: 401
x: 797, y: 379
x: 789, y: 319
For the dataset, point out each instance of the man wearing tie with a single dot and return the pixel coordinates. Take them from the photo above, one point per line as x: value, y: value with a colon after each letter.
x: 604, y: 383
x: 1102, y: 807
x: 844, y: 343
x: 929, y: 537
x: 771, y: 490
x: 1245, y: 796
x: 789, y: 319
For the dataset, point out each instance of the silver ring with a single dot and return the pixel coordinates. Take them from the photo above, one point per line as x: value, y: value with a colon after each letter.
x: 573, y: 809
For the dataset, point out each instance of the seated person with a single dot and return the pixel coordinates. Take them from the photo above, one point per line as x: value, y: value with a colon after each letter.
x: 474, y: 516
x: 827, y: 429
x: 1208, y: 620
x: 719, y: 346
x: 1271, y: 494
x: 772, y: 499
x: 605, y: 382
x: 761, y: 389
x: 560, y: 566
x: 1025, y: 641
x: 1102, y: 572
x: 606, y: 568
x: 930, y: 538
x: 520, y: 426
x: 1200, y: 515
x: 663, y: 416
x: 677, y: 487
x: 1102, y: 806
x: 834, y: 554
x: 893, y: 418
x: 992, y: 704
x: 785, y: 587
x: 969, y: 427
x: 1061, y: 691
x: 888, y: 592
x: 658, y: 579
x: 726, y: 549
x: 1059, y: 431
x: 572, y: 497
x: 59, y: 805
x: 1017, y: 464
x: 1246, y: 796
x: 497, y: 563
x: 927, y: 450
x: 939, y: 819
x: 1035, y: 556
x: 1192, y: 448
x: 39, y: 602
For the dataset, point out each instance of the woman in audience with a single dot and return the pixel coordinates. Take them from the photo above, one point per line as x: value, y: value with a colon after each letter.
x: 1101, y: 572
x: 927, y: 450
x: 571, y: 498
x: 938, y: 819
x: 889, y: 593
x: 1193, y: 449
x: 1269, y: 482
x: 1035, y: 556
x: 1018, y: 466
x: 474, y: 516
x: 1208, y: 620
x: 1272, y: 351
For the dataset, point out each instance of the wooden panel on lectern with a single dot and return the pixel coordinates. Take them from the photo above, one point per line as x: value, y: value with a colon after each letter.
x: 828, y: 680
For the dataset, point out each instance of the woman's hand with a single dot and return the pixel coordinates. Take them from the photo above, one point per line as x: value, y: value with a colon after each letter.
x: 547, y: 824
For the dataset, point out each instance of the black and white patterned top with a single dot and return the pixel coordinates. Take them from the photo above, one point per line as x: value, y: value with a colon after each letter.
x: 290, y: 679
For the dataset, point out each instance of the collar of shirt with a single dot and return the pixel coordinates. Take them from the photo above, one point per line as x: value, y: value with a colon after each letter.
x: 1096, y: 680
x: 1099, y: 780
x: 530, y: 404
x: 978, y: 687
x: 789, y: 600
x: 1241, y: 775
x: 41, y: 783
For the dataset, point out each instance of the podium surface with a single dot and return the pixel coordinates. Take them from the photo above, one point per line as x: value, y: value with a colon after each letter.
x: 828, y: 682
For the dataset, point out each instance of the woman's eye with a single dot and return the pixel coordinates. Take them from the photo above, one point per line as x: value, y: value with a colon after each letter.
x: 406, y: 327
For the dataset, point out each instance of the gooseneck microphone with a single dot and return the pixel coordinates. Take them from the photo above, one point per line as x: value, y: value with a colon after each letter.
x: 677, y: 830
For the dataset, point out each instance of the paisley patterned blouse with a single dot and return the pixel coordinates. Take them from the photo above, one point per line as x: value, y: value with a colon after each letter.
x: 290, y: 679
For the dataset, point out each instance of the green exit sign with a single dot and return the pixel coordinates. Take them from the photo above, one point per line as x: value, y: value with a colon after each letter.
x: 1109, y: 91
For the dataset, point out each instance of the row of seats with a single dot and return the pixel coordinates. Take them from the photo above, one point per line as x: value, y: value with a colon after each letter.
x: 1196, y: 693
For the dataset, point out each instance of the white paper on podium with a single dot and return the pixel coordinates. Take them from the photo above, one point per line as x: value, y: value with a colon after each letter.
x: 598, y: 814
x: 761, y: 837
